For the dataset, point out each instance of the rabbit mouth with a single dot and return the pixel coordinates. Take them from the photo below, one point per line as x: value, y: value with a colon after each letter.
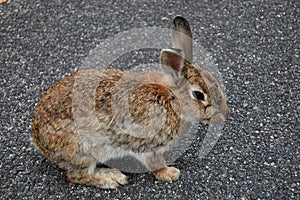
x: 208, y: 120
x: 216, y: 118
x: 213, y: 116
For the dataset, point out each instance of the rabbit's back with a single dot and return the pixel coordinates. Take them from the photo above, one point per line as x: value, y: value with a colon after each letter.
x: 93, y: 91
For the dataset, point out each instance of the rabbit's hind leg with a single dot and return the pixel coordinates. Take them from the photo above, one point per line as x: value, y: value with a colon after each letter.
x: 100, y: 177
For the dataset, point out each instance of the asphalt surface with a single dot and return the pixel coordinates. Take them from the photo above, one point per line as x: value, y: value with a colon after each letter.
x: 255, y: 45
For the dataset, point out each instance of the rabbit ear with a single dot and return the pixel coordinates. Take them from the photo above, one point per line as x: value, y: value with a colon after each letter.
x: 182, y: 37
x: 172, y: 60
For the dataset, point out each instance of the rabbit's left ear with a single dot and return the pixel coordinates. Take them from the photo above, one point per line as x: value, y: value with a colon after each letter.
x: 182, y: 37
x: 172, y: 60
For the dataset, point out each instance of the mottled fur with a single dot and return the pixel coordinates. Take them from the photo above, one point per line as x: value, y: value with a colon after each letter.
x: 154, y: 100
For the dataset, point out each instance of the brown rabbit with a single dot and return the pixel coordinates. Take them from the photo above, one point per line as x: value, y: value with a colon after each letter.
x: 94, y: 115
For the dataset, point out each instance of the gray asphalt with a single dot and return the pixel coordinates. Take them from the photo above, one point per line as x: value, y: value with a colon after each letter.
x: 255, y: 45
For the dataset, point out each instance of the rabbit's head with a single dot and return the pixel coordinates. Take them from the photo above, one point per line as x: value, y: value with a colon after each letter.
x: 200, y: 93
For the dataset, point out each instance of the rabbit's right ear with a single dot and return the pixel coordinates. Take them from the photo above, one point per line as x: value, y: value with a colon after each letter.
x: 172, y: 60
x: 182, y: 37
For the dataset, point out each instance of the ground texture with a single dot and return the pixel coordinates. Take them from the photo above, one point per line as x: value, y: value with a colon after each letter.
x: 255, y: 45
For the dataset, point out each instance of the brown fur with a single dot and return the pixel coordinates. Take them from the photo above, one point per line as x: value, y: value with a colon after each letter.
x: 155, y: 100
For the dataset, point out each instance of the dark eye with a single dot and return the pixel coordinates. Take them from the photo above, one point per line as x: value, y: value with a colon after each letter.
x: 198, y: 95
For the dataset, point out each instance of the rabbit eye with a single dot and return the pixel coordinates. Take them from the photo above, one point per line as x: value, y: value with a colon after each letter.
x: 198, y: 95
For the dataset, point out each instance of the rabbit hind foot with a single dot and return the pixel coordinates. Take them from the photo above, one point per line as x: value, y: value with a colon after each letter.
x: 102, y: 177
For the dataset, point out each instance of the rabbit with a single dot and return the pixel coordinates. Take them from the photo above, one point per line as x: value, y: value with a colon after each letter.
x: 94, y: 115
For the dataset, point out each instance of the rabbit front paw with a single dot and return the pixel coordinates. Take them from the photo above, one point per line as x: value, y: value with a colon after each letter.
x: 167, y: 174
